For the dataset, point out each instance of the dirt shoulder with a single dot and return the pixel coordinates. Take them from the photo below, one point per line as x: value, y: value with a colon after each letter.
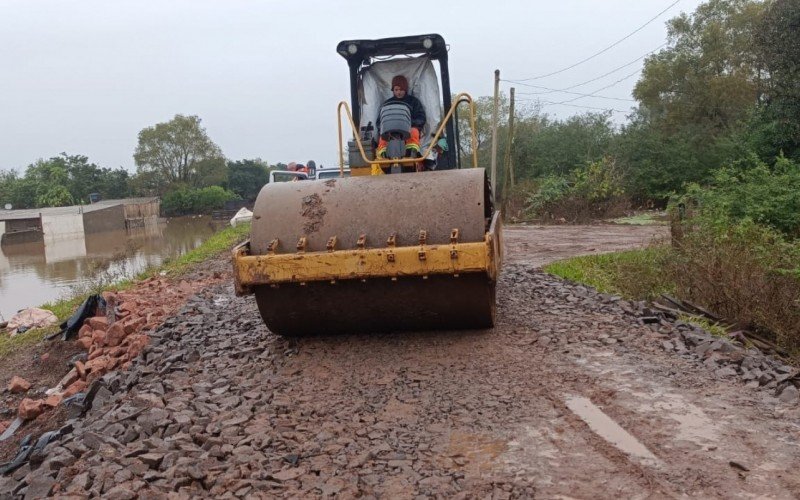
x: 536, y: 246
x: 572, y: 394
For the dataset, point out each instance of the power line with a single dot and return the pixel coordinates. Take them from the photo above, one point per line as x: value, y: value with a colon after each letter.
x: 576, y: 93
x: 549, y: 103
x: 605, y: 49
x: 550, y: 91
x: 594, y: 94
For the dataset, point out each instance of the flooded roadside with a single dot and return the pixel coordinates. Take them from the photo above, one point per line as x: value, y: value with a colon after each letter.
x: 33, y: 273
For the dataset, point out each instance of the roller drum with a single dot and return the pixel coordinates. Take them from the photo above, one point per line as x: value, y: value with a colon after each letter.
x: 377, y: 207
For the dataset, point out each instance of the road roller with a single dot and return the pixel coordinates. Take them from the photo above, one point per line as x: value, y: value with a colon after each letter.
x: 408, y: 241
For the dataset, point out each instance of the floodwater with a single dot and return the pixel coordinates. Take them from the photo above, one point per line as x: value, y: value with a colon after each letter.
x: 32, y: 274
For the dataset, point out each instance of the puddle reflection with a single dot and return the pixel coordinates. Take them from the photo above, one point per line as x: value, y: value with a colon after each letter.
x: 33, y: 273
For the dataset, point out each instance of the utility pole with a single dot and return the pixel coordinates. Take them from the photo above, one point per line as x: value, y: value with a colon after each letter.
x: 508, y: 165
x: 494, y: 134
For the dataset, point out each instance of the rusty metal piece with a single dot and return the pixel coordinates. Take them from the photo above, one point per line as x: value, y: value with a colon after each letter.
x: 390, y: 256
x: 423, y: 236
x: 454, y: 236
x: 362, y: 241
x: 301, y: 244
x: 392, y: 240
x: 422, y: 255
x: 273, y: 246
x: 331, y: 245
x: 453, y: 254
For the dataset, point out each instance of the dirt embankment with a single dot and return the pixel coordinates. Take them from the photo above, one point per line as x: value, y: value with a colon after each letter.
x: 572, y: 394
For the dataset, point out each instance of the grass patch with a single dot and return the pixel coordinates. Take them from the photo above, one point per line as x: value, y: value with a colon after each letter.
x: 633, y: 274
x: 219, y: 242
x: 645, y: 219
x: 9, y: 344
x: 711, y: 327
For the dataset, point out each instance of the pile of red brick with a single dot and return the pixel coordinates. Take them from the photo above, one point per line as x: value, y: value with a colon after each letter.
x: 114, y: 339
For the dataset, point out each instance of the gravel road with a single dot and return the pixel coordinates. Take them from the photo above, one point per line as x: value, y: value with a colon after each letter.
x: 571, y: 395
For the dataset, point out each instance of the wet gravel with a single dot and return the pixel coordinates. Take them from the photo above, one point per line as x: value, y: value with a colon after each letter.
x: 218, y: 406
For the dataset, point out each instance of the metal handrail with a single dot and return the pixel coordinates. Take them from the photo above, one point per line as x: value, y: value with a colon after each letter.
x: 462, y: 97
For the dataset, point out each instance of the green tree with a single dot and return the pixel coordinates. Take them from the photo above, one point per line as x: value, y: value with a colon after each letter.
x: 148, y: 183
x: 710, y: 76
x: 115, y: 184
x: 50, y: 180
x: 546, y: 147
x: 777, y: 127
x: 183, y: 201
x: 210, y: 172
x: 54, y: 196
x: 15, y: 190
x: 82, y: 177
x: 179, y: 150
x: 246, y: 177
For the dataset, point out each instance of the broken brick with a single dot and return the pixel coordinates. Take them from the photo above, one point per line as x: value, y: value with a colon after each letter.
x: 98, y: 323
x: 30, y: 408
x: 75, y: 388
x: 18, y: 385
x: 114, y: 335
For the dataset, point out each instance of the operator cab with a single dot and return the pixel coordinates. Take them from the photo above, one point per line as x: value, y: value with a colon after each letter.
x: 332, y: 173
x: 287, y: 176
x: 373, y: 64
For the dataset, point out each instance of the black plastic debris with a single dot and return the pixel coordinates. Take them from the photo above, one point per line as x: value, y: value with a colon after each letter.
x: 37, y: 453
x: 69, y: 328
x: 78, y: 404
x: 75, y: 405
x: 33, y: 452
x: 25, y: 450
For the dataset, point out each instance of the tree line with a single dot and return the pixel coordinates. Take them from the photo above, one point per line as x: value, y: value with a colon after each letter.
x: 175, y: 160
x: 725, y: 91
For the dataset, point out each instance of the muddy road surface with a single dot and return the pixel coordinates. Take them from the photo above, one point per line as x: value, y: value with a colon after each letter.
x: 571, y: 395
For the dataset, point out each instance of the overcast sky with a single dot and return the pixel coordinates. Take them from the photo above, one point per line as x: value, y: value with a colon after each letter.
x: 84, y: 77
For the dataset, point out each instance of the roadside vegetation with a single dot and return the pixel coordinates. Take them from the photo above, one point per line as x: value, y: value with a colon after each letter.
x: 735, y: 251
x: 715, y: 139
x: 222, y: 241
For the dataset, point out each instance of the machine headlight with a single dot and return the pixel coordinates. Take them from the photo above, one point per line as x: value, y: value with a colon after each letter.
x: 427, y: 43
x: 352, y: 48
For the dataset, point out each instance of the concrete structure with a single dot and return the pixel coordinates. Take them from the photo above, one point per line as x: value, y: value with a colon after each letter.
x: 56, y: 223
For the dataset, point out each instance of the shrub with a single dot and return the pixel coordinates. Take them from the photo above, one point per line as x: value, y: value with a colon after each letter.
x: 550, y: 189
x: 749, y: 189
x: 591, y: 192
x: 184, y: 201
x: 745, y: 272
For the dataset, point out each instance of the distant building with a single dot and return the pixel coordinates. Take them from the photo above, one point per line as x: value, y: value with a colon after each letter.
x: 67, y: 222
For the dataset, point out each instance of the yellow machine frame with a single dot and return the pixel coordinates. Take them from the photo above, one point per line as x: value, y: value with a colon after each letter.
x: 389, y: 262
x: 363, y: 263
x: 374, y: 168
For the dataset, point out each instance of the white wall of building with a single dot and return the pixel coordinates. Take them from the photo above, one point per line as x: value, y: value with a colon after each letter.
x: 56, y: 227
